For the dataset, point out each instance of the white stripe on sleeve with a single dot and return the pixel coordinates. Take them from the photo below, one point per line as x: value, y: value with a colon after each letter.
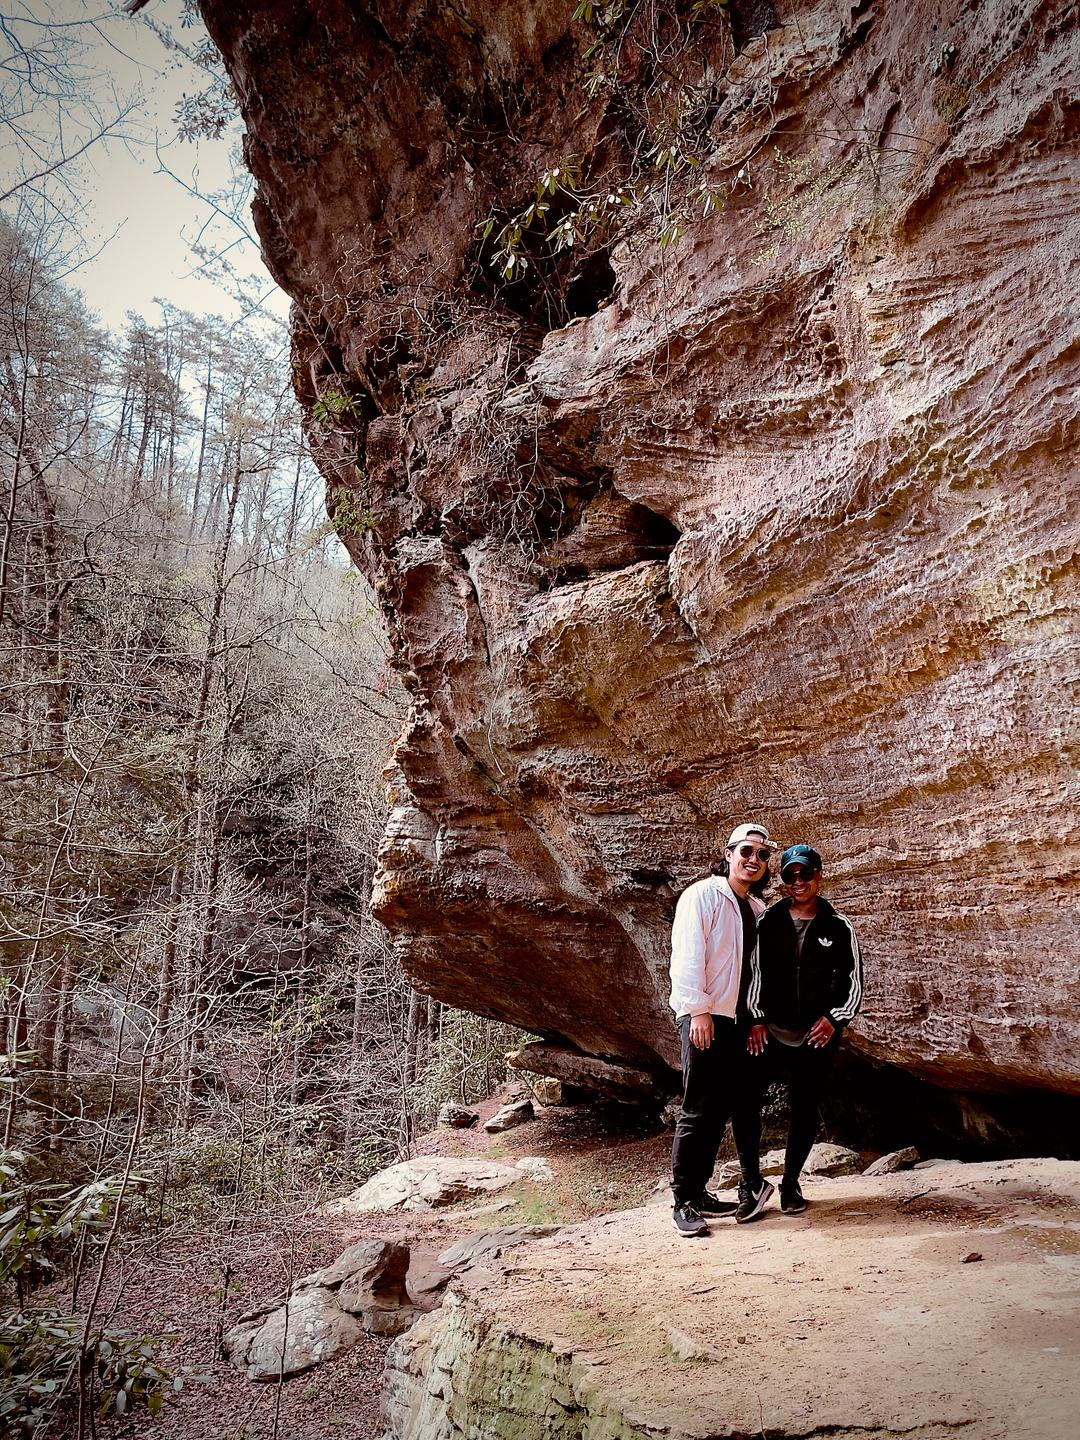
x: 850, y: 1008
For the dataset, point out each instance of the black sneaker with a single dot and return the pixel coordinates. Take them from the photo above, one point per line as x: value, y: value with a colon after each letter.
x: 688, y: 1220
x: 752, y: 1200
x: 792, y: 1201
x: 710, y: 1204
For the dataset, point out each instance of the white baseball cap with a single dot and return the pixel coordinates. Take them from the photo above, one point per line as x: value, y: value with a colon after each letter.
x: 743, y: 832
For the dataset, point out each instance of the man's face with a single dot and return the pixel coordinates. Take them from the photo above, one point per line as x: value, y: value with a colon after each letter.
x: 748, y: 860
x: 803, y: 884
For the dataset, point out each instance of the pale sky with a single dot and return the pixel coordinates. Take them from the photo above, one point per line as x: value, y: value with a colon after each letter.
x: 154, y: 220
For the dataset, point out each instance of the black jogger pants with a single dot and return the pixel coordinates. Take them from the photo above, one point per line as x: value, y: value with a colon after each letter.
x: 710, y: 1078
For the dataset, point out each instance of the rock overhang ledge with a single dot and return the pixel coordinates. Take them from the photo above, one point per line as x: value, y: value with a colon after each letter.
x: 853, y: 404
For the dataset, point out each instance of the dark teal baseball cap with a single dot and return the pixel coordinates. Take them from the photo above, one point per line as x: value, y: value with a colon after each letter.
x: 804, y: 855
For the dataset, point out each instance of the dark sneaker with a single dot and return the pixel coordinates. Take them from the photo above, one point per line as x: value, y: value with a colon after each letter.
x: 710, y: 1204
x: 752, y: 1200
x: 792, y: 1201
x: 688, y: 1221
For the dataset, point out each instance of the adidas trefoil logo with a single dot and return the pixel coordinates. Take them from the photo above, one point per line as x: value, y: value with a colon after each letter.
x: 824, y: 940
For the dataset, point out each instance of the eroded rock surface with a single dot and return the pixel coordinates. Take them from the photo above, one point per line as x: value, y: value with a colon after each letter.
x: 775, y: 521
x: 860, y: 1318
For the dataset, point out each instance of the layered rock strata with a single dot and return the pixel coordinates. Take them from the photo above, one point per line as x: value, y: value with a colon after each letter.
x: 778, y: 520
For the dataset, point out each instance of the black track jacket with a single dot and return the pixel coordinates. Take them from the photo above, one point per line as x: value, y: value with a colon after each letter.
x: 794, y: 990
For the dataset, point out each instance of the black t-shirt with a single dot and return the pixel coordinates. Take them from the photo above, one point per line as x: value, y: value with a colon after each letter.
x: 749, y: 940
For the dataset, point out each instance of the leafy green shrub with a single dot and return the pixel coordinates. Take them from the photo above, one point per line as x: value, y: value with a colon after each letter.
x: 47, y: 1355
x: 43, y: 1354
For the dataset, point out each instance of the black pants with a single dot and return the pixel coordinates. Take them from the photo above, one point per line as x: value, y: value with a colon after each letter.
x: 804, y: 1070
x: 710, y: 1078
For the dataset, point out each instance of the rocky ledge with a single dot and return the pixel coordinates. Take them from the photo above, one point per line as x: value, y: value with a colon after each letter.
x: 932, y: 1304
x: 775, y: 520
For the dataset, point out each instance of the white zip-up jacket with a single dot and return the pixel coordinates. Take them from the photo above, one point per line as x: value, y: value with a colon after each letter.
x: 706, y: 949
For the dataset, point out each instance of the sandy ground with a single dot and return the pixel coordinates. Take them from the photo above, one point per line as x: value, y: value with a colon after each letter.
x: 912, y: 1304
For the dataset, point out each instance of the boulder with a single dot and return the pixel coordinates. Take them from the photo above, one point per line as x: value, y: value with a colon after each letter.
x: 547, y: 1090
x: 824, y: 1159
x: 369, y: 1279
x: 327, y: 1311
x: 292, y: 1337
x: 458, y: 1117
x: 897, y: 1160
x: 426, y: 1182
x: 518, y: 1113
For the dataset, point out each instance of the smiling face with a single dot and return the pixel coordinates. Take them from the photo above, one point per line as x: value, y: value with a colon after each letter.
x: 802, y: 883
x: 747, y: 861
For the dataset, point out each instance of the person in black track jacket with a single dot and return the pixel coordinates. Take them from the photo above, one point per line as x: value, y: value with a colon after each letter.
x: 805, y: 987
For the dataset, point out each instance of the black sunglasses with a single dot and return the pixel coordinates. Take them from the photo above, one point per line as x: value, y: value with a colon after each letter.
x: 747, y: 850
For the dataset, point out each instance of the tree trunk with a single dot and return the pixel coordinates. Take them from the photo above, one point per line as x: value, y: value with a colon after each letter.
x: 202, y: 442
x: 301, y: 989
x: 412, y: 1038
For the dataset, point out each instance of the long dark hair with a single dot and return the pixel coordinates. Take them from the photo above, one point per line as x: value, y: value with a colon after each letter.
x: 757, y: 889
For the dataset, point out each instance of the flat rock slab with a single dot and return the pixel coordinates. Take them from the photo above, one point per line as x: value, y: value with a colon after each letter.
x: 860, y: 1317
x: 487, y: 1243
x: 426, y: 1182
x: 588, y: 1072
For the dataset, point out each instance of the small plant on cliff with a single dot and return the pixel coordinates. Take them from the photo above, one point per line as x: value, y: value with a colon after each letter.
x: 591, y: 209
x: 803, y: 193
x: 664, y: 131
x: 349, y: 518
x: 333, y: 405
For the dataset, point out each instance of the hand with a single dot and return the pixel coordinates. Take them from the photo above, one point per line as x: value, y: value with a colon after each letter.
x: 758, y: 1039
x: 701, y: 1031
x: 821, y: 1032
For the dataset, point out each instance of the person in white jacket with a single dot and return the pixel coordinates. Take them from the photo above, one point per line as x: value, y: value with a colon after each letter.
x: 712, y: 939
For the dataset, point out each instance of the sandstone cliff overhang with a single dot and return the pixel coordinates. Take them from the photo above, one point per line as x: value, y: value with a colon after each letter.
x: 774, y: 521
